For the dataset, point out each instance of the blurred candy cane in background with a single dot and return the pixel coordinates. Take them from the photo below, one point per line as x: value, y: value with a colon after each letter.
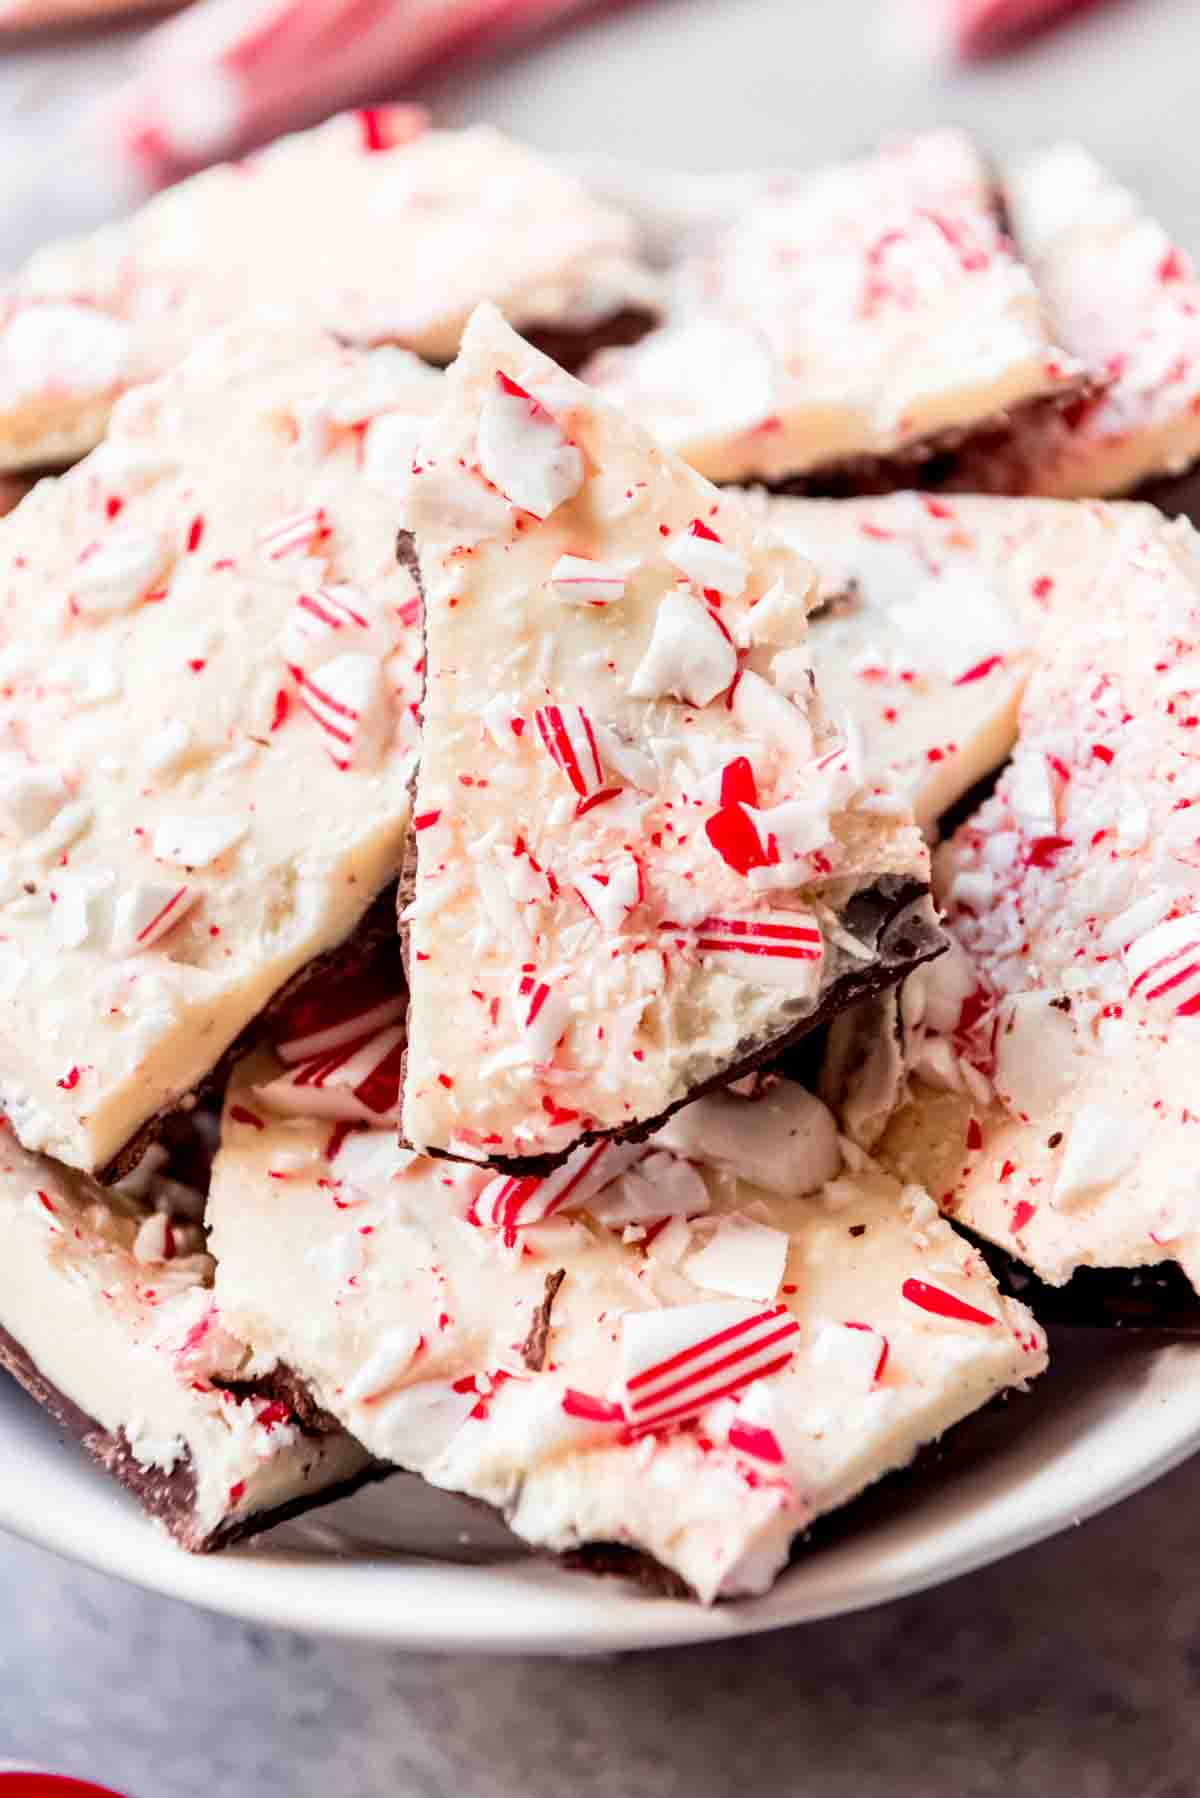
x: 973, y: 29
x: 226, y: 74
x: 36, y: 15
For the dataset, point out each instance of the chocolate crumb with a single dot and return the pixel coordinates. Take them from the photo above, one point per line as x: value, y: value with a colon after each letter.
x: 1052, y: 1142
x: 1062, y: 1004
x: 858, y: 1229
x: 533, y: 1349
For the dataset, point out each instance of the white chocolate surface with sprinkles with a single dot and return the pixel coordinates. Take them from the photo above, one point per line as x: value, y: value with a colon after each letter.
x: 724, y: 1361
x: 209, y: 664
x: 369, y: 226
x: 630, y: 839
x: 848, y: 313
x: 113, y: 1303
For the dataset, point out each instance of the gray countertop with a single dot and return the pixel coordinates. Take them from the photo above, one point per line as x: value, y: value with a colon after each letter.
x: 1072, y: 1669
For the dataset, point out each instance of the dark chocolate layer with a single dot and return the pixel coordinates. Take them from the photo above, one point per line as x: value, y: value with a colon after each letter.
x: 895, y: 917
x: 169, y: 1497
x: 372, y: 947
x: 572, y: 346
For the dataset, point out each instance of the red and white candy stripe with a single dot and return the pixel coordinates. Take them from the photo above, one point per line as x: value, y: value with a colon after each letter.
x: 771, y: 948
x: 584, y: 583
x: 329, y: 609
x: 569, y: 739
x: 1164, y: 965
x: 330, y: 1016
x: 340, y: 697
x: 147, y: 911
x: 707, y: 562
x: 542, y: 1014
x: 677, y: 1362
x: 524, y: 451
x: 299, y: 531
x: 515, y: 1203
x: 359, y: 1083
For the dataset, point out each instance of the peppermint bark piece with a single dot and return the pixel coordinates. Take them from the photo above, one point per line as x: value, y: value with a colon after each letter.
x: 210, y: 670
x: 1124, y: 299
x: 937, y: 605
x: 641, y: 864
x: 109, y: 1320
x: 869, y: 310
x: 321, y: 227
x: 691, y: 1361
x: 1048, y: 1102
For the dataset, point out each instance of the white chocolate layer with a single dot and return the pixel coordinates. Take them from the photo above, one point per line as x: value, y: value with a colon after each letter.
x: 853, y: 312
x: 629, y: 836
x: 369, y: 227
x: 938, y: 603
x: 210, y: 661
x: 1125, y: 300
x: 137, y: 1343
x: 405, y: 1311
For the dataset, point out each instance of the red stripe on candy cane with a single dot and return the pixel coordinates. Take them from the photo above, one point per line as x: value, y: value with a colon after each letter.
x: 1165, y: 964
x: 716, y: 1365
x: 299, y: 531
x: 570, y: 742
x: 940, y: 1303
x: 515, y: 1202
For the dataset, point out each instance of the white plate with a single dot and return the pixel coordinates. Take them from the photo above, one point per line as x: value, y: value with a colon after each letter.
x: 401, y: 1565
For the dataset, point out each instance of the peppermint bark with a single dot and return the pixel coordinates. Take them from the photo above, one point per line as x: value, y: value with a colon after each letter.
x: 109, y: 1321
x: 635, y: 849
x: 210, y: 668
x: 745, y: 1330
x: 867, y: 313
x: 399, y: 214
x: 1041, y: 1087
x: 1124, y: 299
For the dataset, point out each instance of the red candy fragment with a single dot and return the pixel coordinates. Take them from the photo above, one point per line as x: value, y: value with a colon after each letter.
x: 753, y: 1439
x: 941, y: 1303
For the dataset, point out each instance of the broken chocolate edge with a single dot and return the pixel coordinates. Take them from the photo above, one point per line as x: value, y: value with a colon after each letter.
x: 373, y: 935
x: 169, y: 1497
x: 533, y: 1349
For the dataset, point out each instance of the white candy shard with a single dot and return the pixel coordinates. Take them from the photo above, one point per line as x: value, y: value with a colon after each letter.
x: 786, y: 1142
x: 31, y: 798
x: 699, y: 554
x: 742, y: 1258
x: 611, y: 892
x: 585, y: 583
x: 524, y: 452
x: 147, y: 911
x: 659, y: 1185
x: 689, y: 656
x: 763, y: 710
x: 118, y: 572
